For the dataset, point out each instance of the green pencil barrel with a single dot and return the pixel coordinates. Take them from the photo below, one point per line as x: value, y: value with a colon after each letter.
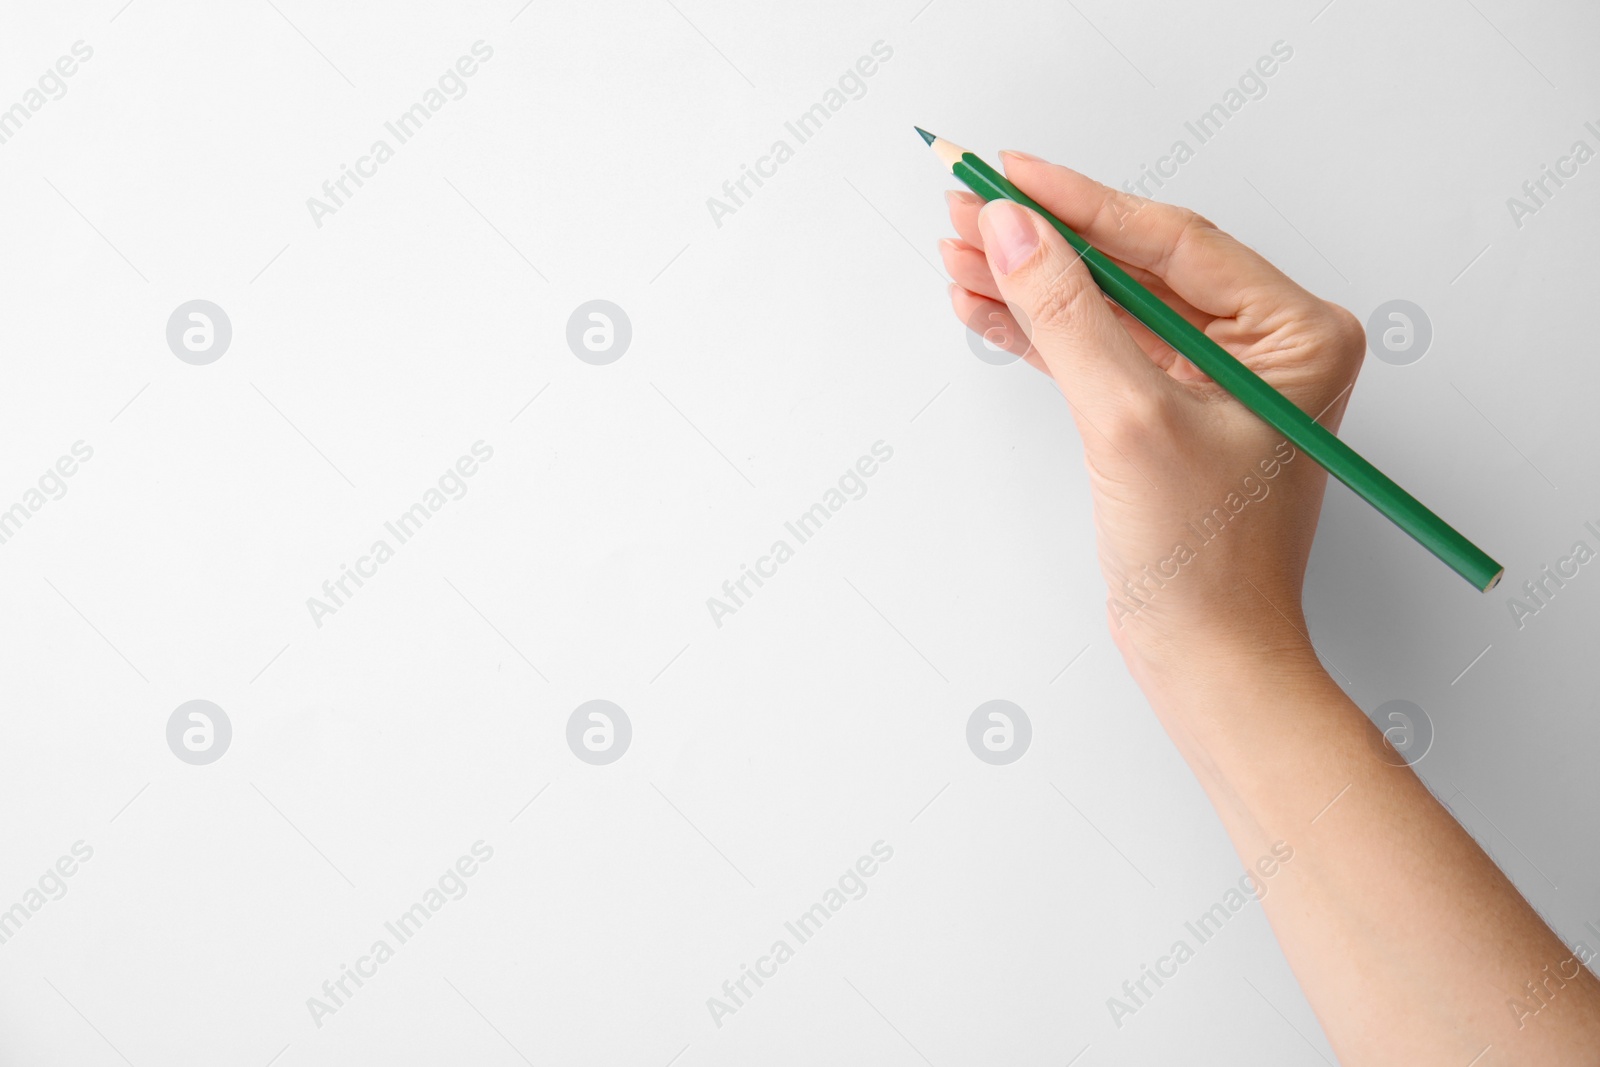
x: 1304, y: 432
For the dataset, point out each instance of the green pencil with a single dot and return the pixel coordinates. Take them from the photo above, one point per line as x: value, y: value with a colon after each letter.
x: 1303, y: 431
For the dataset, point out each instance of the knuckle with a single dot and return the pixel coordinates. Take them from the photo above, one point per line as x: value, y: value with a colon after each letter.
x: 1349, y: 335
x: 1119, y: 207
x: 1137, y: 414
x: 1191, y: 227
x: 1063, y: 303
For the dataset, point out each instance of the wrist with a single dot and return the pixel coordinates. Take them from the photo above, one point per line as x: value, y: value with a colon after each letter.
x: 1218, y: 666
x: 1227, y: 704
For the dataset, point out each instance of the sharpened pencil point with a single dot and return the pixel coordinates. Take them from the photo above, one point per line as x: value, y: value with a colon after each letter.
x: 927, y: 137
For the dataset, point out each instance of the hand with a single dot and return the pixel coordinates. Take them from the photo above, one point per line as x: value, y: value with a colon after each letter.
x: 1204, y: 518
x: 1204, y: 514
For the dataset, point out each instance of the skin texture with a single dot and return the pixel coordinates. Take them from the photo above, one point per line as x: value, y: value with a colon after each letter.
x: 1411, y: 946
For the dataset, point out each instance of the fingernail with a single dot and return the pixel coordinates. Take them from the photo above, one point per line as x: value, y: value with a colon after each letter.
x: 1021, y: 155
x: 961, y: 196
x: 1009, y: 235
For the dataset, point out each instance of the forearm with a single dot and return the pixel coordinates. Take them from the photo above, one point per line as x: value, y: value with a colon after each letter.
x: 1409, y: 943
x: 1411, y: 946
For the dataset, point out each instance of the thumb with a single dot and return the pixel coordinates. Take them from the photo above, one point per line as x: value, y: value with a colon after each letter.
x: 1053, y: 296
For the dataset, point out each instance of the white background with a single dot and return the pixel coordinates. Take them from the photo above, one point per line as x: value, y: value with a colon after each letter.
x: 768, y: 354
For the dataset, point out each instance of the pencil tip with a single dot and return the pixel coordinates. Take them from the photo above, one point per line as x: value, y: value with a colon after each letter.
x: 927, y: 137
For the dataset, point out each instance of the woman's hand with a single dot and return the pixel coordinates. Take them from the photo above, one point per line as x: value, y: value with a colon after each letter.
x: 1409, y: 943
x: 1204, y: 513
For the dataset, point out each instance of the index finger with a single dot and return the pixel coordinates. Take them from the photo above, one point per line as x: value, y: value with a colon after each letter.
x: 1200, y: 263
